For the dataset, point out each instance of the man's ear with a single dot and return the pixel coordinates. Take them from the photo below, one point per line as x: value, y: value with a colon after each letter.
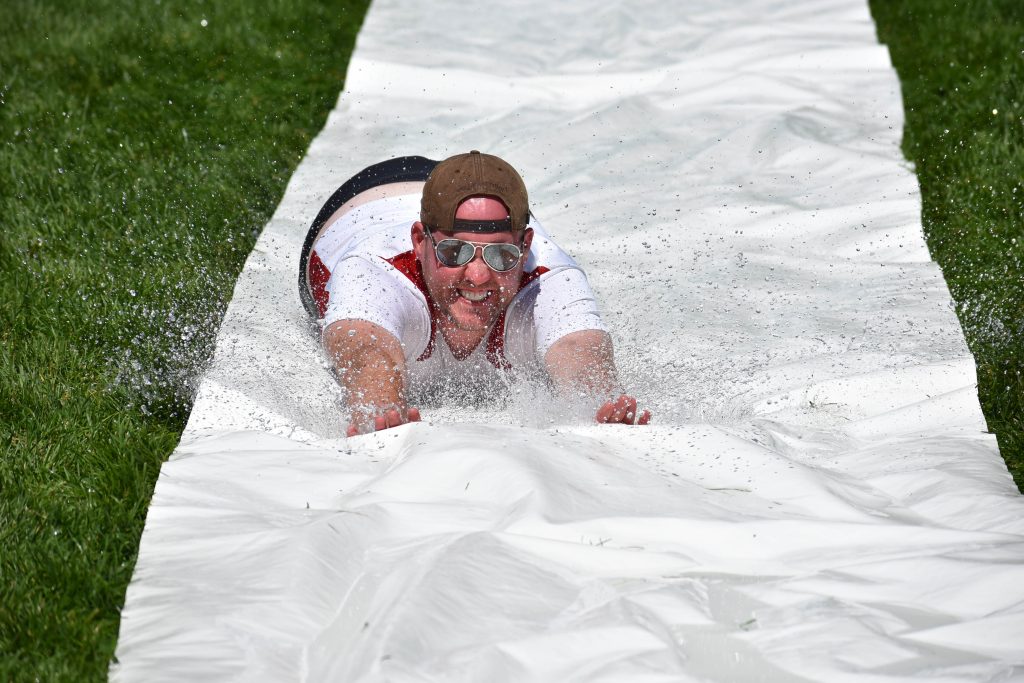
x: 419, y: 238
x: 527, y: 239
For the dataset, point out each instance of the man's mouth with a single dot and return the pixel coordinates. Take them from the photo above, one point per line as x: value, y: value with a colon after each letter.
x: 474, y: 296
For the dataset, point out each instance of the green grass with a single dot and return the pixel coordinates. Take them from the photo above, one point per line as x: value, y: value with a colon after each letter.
x: 961, y: 65
x: 140, y: 154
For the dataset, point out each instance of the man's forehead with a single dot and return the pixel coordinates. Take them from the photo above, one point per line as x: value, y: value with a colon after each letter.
x: 482, y: 207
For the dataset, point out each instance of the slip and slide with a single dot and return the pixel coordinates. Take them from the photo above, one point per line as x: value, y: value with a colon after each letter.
x: 817, y: 498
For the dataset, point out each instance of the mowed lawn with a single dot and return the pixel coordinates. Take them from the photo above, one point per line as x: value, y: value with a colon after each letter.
x: 961, y: 65
x: 143, y: 145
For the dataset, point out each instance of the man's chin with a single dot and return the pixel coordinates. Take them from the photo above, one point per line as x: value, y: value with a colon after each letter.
x: 469, y: 321
x: 472, y: 325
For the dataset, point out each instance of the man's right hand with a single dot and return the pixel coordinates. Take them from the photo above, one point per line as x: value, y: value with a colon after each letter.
x: 376, y: 422
x: 623, y: 410
x: 371, y: 367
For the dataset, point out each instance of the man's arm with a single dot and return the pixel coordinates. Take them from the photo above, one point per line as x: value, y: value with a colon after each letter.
x: 371, y: 366
x: 585, y: 360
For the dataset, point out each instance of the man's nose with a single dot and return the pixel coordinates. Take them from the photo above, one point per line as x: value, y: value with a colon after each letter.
x: 477, y: 271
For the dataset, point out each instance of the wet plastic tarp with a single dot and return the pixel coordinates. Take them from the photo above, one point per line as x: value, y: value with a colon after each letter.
x: 817, y: 499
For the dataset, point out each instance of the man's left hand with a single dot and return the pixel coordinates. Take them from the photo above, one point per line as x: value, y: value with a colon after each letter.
x: 622, y: 410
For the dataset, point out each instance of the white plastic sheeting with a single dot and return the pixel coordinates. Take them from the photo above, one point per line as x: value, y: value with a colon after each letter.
x: 817, y: 499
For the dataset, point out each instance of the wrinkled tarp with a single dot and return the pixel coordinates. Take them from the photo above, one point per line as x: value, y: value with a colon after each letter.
x: 818, y: 498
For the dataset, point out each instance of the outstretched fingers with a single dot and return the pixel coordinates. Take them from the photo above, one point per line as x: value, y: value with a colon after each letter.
x: 617, y: 410
x: 622, y: 410
x: 384, y: 420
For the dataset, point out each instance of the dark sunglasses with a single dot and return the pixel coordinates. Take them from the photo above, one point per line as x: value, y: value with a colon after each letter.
x: 499, y: 256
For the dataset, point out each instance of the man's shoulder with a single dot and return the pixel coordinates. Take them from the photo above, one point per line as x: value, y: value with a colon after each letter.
x: 546, y: 274
x: 382, y: 276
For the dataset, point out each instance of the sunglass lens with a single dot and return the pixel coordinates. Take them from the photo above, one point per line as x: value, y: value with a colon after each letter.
x: 502, y: 257
x: 454, y: 253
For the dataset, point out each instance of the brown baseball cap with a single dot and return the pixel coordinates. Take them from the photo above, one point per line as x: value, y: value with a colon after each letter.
x: 474, y: 174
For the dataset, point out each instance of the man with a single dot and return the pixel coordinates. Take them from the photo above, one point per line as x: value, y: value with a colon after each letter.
x: 425, y: 273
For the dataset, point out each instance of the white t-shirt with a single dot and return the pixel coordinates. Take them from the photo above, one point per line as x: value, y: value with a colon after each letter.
x: 363, y: 254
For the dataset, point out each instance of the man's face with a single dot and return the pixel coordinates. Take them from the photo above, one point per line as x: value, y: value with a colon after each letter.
x: 471, y: 297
